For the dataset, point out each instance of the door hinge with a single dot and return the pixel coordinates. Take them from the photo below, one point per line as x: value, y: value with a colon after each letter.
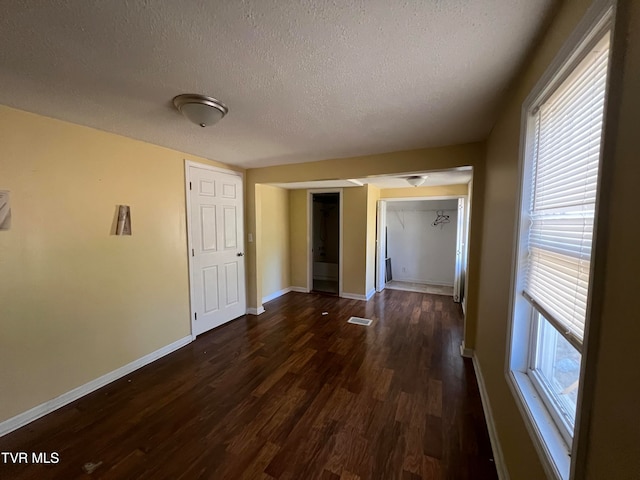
x: 190, y: 187
x: 193, y: 253
x: 195, y: 314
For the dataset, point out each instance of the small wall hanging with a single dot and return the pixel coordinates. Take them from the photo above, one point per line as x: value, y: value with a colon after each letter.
x: 5, y: 210
x: 123, y: 225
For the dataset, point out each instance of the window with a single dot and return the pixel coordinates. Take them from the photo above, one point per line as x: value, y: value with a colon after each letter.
x: 563, y: 125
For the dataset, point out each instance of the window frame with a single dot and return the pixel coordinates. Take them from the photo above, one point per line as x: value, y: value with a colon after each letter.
x: 548, y: 397
x: 554, y: 444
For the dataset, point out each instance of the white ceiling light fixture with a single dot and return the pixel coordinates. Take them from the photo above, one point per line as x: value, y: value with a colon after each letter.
x: 416, y: 180
x: 200, y: 109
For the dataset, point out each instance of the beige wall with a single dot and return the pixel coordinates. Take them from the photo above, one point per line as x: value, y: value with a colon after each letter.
x: 75, y: 301
x: 612, y: 436
x: 275, y: 239
x: 373, y: 195
x: 354, y: 237
x: 298, y: 238
x: 612, y: 432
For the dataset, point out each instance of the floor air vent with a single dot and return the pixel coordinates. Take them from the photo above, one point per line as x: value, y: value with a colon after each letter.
x: 360, y: 321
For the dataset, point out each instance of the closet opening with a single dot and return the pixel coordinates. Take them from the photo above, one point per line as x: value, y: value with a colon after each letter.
x: 325, y: 242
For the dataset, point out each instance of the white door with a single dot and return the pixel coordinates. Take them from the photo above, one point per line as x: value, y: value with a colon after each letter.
x: 458, y: 279
x: 216, y: 248
x: 381, y: 251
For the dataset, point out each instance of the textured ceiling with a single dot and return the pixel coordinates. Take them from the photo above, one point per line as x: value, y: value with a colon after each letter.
x: 304, y: 80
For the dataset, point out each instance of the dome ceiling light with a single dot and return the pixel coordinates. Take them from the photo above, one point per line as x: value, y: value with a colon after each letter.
x: 200, y: 109
x: 416, y: 180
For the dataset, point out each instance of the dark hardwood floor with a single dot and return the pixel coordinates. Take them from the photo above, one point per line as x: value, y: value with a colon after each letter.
x: 291, y: 394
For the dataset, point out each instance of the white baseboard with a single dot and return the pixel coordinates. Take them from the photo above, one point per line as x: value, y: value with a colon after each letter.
x: 503, y: 473
x: 466, y: 352
x: 354, y: 296
x: 255, y: 311
x: 299, y: 289
x: 359, y: 296
x: 43, y: 409
x: 275, y: 295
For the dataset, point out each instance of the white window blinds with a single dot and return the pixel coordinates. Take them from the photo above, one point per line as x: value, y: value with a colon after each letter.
x: 566, y: 150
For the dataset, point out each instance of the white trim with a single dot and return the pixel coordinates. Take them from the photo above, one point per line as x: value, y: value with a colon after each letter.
x: 370, y: 294
x: 204, y: 166
x: 45, y: 408
x: 381, y: 245
x: 275, y: 295
x: 187, y: 181
x: 465, y: 352
x: 461, y: 242
x: 299, y: 289
x: 354, y: 296
x: 498, y: 457
x: 552, y: 449
x: 310, y: 193
x: 255, y: 311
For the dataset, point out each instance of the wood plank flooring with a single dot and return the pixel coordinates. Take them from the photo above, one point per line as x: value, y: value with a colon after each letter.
x: 291, y: 394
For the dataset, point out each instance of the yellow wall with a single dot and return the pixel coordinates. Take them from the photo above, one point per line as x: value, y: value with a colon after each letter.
x: 612, y: 437
x: 75, y: 301
x: 354, y: 237
x: 612, y: 433
x: 298, y: 238
x: 436, y: 191
x: 275, y: 239
x: 373, y: 195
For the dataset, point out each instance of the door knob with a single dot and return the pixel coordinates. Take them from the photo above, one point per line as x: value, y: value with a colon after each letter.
x: 240, y: 254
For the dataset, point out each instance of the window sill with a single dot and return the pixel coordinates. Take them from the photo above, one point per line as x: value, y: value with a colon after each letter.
x: 554, y: 452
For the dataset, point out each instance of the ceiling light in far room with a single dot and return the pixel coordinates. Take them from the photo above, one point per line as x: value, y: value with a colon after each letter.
x: 200, y: 109
x: 416, y: 180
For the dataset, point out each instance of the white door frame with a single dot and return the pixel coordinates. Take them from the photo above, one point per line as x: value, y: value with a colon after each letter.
x: 461, y: 244
x: 310, y: 194
x: 187, y: 183
x: 381, y: 245
x: 382, y: 225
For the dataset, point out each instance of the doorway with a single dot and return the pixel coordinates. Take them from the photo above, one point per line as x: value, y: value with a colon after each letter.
x: 422, y: 246
x: 325, y: 223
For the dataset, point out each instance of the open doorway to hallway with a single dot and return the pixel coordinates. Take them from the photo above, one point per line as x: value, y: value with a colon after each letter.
x: 325, y: 224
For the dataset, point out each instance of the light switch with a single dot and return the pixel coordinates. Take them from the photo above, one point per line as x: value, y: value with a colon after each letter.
x: 251, y: 237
